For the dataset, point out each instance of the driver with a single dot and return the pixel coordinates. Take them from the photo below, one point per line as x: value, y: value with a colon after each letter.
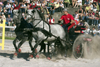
x: 68, y: 21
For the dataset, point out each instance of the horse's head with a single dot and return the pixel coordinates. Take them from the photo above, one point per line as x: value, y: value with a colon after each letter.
x: 17, y: 17
x: 37, y: 13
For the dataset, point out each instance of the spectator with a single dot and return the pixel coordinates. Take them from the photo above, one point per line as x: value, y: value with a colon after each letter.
x: 8, y: 21
x: 44, y: 4
x: 88, y: 8
x: 76, y: 16
x: 90, y: 18
x: 85, y: 15
x: 87, y: 2
x: 96, y: 19
x: 94, y: 2
x: 5, y: 12
x: 5, y: 2
x: 49, y: 5
x: 57, y: 5
x: 52, y: 11
x: 51, y: 20
x: 23, y: 6
x: 10, y: 12
x: 47, y: 15
x: 91, y: 1
x: 61, y: 8
x: 66, y: 3
x: 11, y: 1
x: 27, y: 1
x: 39, y: 4
x: 87, y: 31
x: 8, y: 6
x: 94, y: 7
x: 1, y: 4
x: 92, y: 12
x: 3, y: 16
x: 91, y: 5
x: 73, y: 3
x: 93, y: 31
x: 80, y: 11
x: 78, y: 3
x: 81, y: 22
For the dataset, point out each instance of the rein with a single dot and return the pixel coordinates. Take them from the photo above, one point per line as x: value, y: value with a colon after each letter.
x: 44, y: 22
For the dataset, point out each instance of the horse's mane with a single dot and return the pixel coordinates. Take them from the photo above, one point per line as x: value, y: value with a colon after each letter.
x: 41, y: 14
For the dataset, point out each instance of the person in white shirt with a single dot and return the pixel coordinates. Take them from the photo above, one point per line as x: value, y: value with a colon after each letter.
x: 78, y: 3
x: 91, y: 5
x: 28, y: 1
x: 38, y: 4
x: 94, y: 31
x: 87, y: 31
x: 91, y: 1
x: 8, y: 6
x: 76, y: 16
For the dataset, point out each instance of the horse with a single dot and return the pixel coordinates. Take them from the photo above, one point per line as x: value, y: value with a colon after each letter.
x: 21, y: 34
x: 56, y: 30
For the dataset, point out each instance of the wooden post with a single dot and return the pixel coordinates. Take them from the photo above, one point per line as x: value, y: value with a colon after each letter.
x: 3, y: 34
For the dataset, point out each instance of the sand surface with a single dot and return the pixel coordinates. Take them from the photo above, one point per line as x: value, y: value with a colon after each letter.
x: 7, y: 54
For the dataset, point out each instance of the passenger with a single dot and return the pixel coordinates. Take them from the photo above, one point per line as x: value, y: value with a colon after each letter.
x: 51, y: 20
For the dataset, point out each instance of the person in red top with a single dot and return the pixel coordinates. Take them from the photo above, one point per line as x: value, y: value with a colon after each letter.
x: 68, y: 20
x: 51, y: 20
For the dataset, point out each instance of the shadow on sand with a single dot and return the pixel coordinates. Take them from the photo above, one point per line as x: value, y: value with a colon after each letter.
x: 10, y: 55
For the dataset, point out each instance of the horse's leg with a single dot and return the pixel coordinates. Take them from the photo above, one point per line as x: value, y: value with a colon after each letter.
x: 16, y: 48
x: 14, y: 43
x: 22, y: 41
x: 19, y: 45
x: 49, y: 55
x: 30, y: 44
x: 43, y: 46
x: 66, y: 51
x: 36, y: 45
x: 48, y: 47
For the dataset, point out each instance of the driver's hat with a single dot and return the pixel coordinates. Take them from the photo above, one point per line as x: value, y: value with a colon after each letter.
x: 65, y: 9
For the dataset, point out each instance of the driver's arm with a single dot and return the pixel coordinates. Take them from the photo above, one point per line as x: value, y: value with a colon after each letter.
x: 59, y: 21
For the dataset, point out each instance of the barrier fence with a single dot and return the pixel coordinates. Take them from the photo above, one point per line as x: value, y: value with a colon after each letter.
x: 3, y: 34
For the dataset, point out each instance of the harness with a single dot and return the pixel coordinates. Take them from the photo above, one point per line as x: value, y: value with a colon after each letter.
x: 45, y: 32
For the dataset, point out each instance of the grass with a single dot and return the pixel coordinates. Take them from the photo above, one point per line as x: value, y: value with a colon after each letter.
x: 10, y: 38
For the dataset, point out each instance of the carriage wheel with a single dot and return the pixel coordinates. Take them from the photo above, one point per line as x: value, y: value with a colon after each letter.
x: 82, y: 46
x: 78, y: 50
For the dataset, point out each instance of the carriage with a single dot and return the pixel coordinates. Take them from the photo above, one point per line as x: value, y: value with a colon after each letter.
x: 78, y: 43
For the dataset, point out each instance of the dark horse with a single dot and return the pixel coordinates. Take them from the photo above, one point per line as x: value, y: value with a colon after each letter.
x: 22, y: 31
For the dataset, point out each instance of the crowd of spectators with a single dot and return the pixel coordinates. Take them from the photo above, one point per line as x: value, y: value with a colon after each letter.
x: 88, y: 11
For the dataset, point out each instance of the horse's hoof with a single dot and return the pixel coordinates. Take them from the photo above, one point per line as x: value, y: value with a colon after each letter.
x: 37, y: 56
x: 30, y: 57
x: 48, y: 58
x: 19, y: 50
x: 14, y: 56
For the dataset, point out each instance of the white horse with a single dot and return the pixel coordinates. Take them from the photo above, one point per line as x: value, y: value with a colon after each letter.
x: 56, y: 30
